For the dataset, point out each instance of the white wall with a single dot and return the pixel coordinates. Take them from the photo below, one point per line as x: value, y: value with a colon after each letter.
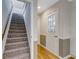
x: 38, y: 25
x: 73, y: 29
x: 52, y: 43
x: 65, y: 28
x: 62, y: 29
x: 43, y: 24
x: 6, y: 8
x: 34, y: 31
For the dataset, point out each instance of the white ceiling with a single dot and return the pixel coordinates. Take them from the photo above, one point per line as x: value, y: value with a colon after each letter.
x: 44, y: 4
x: 25, y: 0
x: 18, y: 6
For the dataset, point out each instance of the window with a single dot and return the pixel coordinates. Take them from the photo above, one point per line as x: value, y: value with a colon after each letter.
x: 51, y: 23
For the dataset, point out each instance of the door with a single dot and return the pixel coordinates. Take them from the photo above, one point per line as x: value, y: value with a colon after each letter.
x: 52, y: 41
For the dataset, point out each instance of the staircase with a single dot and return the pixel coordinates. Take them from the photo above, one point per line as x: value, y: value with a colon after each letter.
x: 17, y: 46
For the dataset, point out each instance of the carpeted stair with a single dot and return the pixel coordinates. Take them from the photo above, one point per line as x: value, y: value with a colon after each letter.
x: 17, y: 46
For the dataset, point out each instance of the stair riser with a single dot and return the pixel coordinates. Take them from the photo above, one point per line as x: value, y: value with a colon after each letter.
x: 17, y: 31
x: 17, y: 28
x: 19, y: 35
x: 17, y: 22
x: 8, y: 47
x: 15, y: 40
x: 17, y: 25
x: 18, y: 19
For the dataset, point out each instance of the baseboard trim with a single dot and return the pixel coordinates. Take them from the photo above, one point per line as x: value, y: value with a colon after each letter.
x: 69, y: 56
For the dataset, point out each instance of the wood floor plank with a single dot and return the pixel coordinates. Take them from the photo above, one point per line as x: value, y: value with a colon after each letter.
x: 44, y: 54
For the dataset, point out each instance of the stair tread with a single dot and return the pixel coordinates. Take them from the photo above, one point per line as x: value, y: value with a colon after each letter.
x: 17, y: 30
x: 16, y: 33
x: 15, y: 27
x: 21, y: 56
x: 13, y: 50
x: 16, y: 40
x: 17, y: 37
x: 14, y: 43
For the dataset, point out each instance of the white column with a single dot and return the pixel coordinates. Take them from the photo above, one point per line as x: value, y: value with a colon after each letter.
x: 34, y: 33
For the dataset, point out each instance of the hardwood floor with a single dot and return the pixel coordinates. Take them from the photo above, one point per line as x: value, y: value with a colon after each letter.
x: 45, y: 54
